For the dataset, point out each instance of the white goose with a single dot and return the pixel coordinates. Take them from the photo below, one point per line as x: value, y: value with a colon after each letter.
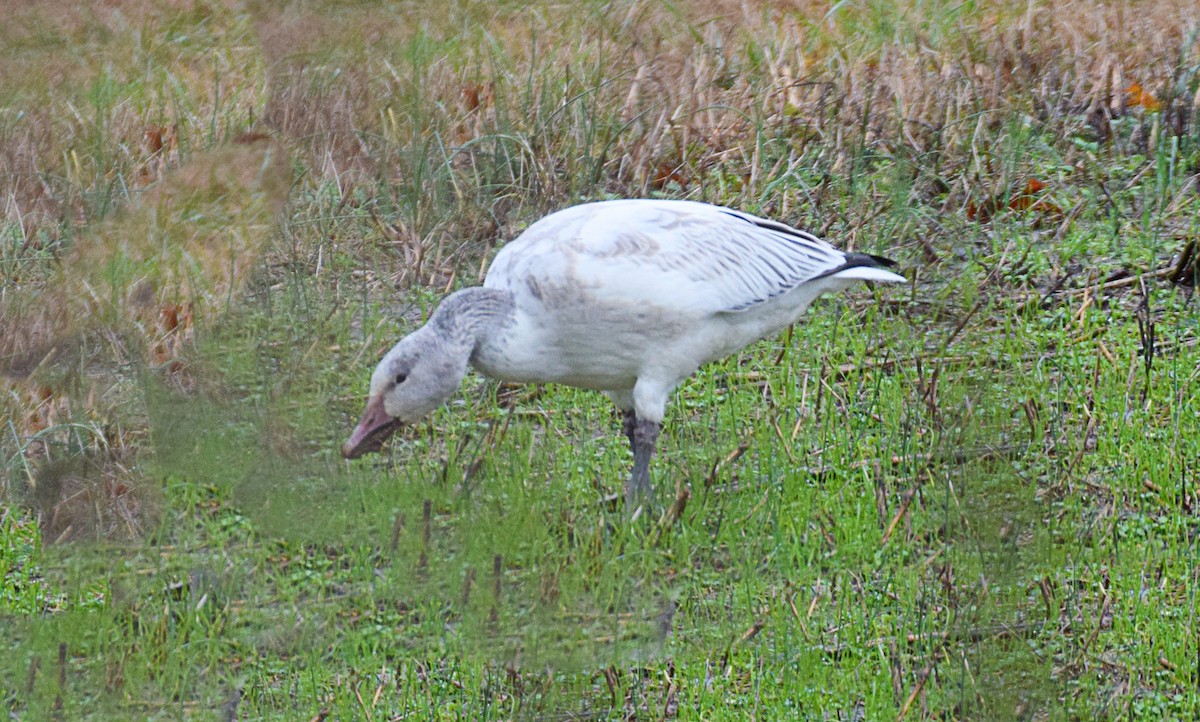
x: 627, y: 297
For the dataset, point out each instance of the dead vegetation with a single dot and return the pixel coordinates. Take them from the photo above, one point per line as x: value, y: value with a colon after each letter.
x: 130, y: 215
x: 652, y: 97
x: 162, y: 164
x: 127, y: 294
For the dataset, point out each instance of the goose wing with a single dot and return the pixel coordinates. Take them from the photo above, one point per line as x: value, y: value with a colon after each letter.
x: 676, y: 254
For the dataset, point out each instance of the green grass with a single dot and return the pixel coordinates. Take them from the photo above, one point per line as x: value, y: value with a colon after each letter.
x: 970, y: 498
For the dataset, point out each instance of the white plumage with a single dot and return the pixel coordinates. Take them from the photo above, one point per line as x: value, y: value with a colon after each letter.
x: 628, y: 297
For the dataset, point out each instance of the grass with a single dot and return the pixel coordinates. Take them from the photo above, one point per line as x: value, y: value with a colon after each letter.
x: 970, y: 498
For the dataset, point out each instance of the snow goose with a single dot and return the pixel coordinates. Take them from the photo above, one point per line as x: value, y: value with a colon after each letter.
x: 627, y: 297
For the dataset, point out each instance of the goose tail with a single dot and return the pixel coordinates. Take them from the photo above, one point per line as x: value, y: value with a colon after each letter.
x: 866, y: 267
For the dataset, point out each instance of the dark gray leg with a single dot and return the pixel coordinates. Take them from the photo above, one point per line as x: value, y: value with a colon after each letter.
x: 628, y: 425
x: 629, y: 422
x: 643, y: 438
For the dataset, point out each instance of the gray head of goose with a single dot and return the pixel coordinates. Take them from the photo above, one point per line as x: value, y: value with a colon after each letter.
x: 418, y: 375
x: 423, y: 370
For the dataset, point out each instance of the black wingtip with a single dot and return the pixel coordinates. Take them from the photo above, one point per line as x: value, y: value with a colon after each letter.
x: 860, y: 260
x: 854, y: 260
x: 885, y: 262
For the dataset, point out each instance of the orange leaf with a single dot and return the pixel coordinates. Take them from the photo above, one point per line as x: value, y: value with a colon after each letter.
x: 1024, y: 199
x: 153, y: 139
x: 470, y: 95
x: 169, y: 317
x: 475, y: 95
x: 1046, y: 208
x: 1137, y: 96
x: 664, y: 173
x: 1027, y: 198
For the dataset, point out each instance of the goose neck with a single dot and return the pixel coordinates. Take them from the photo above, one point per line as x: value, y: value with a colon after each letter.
x: 470, y: 315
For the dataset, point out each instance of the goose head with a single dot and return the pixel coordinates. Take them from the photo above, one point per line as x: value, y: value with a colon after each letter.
x: 418, y: 375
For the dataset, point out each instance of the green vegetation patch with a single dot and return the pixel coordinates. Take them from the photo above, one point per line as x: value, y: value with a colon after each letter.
x: 973, y: 497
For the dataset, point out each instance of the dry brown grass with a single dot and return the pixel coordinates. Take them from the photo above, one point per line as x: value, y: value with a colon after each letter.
x: 636, y: 97
x: 358, y: 91
x: 453, y: 126
x: 93, y: 497
x: 129, y: 293
x: 188, y: 241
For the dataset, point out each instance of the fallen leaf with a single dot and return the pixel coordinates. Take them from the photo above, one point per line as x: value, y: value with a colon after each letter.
x: 1136, y: 95
x: 665, y: 173
x: 1025, y: 199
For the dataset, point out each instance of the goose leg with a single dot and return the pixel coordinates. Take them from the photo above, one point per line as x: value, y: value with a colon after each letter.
x: 643, y: 435
x: 629, y: 425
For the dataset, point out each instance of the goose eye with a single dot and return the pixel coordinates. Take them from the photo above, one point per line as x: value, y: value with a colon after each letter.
x: 400, y: 378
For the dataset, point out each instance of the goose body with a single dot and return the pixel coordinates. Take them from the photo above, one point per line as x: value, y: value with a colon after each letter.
x: 627, y: 297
